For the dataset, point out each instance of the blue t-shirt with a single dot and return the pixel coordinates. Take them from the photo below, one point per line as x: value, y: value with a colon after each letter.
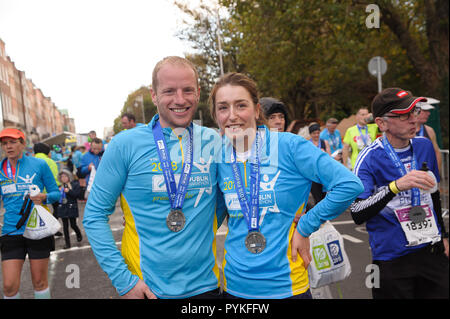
x: 29, y: 171
x: 334, y: 140
x: 375, y: 169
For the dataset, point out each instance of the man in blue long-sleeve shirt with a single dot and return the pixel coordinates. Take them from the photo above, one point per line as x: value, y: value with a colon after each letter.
x: 92, y: 158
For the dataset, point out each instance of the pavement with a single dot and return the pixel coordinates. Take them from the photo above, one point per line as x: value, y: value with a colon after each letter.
x: 75, y: 274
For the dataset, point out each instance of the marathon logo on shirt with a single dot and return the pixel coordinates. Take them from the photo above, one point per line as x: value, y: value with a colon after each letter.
x: 18, y: 188
x: 196, y: 181
x: 199, y: 181
x: 267, y: 197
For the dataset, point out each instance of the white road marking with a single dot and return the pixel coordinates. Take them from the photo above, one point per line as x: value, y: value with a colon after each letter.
x: 344, y: 222
x: 351, y: 238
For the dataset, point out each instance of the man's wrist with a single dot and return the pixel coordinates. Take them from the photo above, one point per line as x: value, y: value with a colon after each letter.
x: 393, y: 187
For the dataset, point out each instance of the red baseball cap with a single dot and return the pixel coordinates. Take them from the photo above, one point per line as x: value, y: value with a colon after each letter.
x: 13, y: 133
x: 395, y: 100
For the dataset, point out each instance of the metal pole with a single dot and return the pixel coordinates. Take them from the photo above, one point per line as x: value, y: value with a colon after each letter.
x: 220, y: 43
x: 379, y: 74
x: 143, y: 113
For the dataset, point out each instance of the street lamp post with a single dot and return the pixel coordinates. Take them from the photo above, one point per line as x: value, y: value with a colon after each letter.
x: 140, y: 99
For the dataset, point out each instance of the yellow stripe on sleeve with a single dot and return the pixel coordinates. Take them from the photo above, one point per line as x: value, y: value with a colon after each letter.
x: 130, y: 240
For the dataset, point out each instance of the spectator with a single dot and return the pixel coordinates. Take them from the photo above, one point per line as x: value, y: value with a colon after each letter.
x: 332, y: 135
x: 67, y: 208
x: 91, y: 159
x: 128, y: 121
x: 428, y: 131
x: 358, y: 136
x: 275, y: 113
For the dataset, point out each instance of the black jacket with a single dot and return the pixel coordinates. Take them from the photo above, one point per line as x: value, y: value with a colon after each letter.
x: 70, y: 209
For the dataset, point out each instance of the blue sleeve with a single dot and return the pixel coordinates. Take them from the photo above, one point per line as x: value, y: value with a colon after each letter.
x: 323, y: 134
x: 85, y: 161
x: 342, y: 185
x: 49, y: 184
x: 110, y: 179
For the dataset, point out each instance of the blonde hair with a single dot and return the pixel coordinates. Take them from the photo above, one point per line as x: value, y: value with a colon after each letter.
x: 173, y: 60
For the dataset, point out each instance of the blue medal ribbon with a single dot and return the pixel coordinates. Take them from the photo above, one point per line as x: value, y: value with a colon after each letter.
x: 415, y: 192
x: 176, y: 196
x: 250, y: 210
x: 63, y: 195
x: 9, y: 170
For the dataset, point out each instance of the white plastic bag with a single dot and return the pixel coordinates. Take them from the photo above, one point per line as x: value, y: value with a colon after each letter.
x: 40, y: 223
x: 329, y: 263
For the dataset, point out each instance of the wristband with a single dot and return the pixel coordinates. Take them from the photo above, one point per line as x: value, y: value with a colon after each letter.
x: 393, y: 187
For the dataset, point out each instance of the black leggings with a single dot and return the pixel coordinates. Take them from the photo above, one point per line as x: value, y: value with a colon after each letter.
x: 73, y: 224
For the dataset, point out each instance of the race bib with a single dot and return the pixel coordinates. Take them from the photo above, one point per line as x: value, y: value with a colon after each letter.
x: 421, y: 232
x: 9, y: 189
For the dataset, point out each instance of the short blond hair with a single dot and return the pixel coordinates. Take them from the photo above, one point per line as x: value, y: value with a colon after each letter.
x: 174, y: 60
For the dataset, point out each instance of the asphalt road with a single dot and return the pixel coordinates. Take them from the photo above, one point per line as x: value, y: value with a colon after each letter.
x: 75, y: 274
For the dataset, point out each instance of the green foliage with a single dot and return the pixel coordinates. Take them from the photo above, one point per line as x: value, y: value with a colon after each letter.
x: 313, y: 55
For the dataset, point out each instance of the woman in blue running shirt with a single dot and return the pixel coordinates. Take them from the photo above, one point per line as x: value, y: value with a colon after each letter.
x: 265, y: 178
x: 17, y: 174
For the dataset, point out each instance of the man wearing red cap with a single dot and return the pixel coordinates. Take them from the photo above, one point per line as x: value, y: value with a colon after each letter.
x: 17, y: 174
x: 401, y: 203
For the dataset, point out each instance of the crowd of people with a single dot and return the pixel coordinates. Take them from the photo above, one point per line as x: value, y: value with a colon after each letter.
x: 178, y: 182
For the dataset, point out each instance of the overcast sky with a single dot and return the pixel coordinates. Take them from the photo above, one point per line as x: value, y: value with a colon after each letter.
x: 88, y: 55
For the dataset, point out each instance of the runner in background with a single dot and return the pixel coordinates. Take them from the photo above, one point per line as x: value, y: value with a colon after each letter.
x: 358, y: 136
x: 401, y: 203
x: 17, y: 174
x: 428, y: 131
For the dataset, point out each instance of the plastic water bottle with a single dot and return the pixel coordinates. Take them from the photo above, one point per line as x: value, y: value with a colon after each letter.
x: 426, y: 169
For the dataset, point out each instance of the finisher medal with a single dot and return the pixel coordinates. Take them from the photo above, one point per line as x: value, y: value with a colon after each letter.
x: 175, y: 220
x: 64, y: 200
x: 417, y: 214
x: 255, y: 242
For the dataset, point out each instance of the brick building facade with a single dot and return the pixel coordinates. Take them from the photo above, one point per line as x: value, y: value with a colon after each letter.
x: 24, y: 105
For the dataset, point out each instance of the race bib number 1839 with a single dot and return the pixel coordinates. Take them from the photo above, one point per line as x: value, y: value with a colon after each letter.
x: 421, y: 232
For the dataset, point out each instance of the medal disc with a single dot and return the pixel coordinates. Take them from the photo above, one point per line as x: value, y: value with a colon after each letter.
x: 64, y: 200
x: 417, y: 214
x: 255, y: 242
x: 175, y: 220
